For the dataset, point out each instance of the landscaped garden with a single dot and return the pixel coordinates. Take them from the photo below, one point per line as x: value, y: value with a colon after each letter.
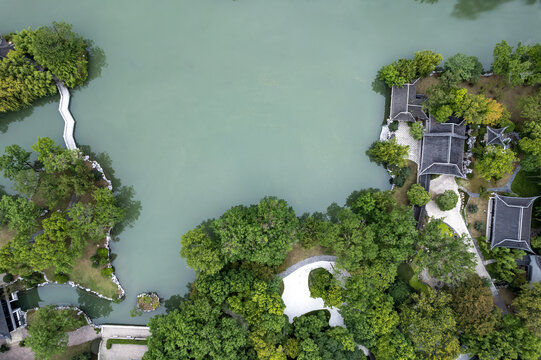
x: 68, y: 221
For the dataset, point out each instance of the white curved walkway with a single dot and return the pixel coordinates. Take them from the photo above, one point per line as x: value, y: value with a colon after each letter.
x: 297, y: 298
x: 69, y: 121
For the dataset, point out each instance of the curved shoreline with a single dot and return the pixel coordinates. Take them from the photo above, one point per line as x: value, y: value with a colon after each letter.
x: 68, y: 135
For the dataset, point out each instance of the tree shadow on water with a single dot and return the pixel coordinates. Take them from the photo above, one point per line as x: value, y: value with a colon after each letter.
x: 15, y: 116
x: 125, y: 195
x: 379, y: 86
x: 93, y: 306
x: 471, y: 9
x: 96, y: 61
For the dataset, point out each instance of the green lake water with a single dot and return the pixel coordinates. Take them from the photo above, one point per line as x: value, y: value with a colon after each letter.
x: 202, y: 105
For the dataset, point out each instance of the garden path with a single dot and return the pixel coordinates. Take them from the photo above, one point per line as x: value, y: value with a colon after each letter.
x: 454, y: 219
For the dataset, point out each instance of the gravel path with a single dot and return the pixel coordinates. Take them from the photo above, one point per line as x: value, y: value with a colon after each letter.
x: 454, y: 219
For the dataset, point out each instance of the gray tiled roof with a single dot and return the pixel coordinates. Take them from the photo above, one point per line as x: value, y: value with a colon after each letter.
x: 406, y: 104
x: 5, y: 47
x: 496, y: 137
x: 443, y: 149
x: 4, y: 329
x: 511, y: 220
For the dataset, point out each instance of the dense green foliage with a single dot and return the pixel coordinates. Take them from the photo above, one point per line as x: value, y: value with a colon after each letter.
x: 443, y: 253
x: 521, y: 66
x: 388, y: 153
x: 528, y: 307
x: 496, y: 162
x: 324, y: 285
x: 430, y: 324
x: 416, y: 130
x: 27, y: 72
x: 47, y: 333
x: 530, y: 142
x: 473, y: 306
x: 417, y: 195
x: 443, y: 102
x: 58, y: 49
x: 405, y: 71
x: 459, y: 68
x: 54, y: 238
x: 447, y: 200
x: 261, y: 233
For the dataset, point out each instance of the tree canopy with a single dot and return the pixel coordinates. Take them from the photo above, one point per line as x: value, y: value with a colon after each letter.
x: 405, y: 71
x: 495, y: 162
x: 47, y: 334
x: 443, y: 253
x: 388, y: 153
x: 459, y: 68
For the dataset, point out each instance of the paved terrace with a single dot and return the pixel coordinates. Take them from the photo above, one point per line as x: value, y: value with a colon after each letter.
x: 123, y: 351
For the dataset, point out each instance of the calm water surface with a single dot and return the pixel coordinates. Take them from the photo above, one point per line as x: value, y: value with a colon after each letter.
x: 202, y: 105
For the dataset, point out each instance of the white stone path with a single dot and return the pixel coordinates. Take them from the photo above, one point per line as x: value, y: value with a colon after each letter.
x: 454, y: 219
x: 69, y: 121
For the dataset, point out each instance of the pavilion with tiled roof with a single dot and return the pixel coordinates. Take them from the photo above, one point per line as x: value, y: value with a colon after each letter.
x: 509, y: 220
x: 442, y: 150
x: 406, y: 103
x: 496, y: 137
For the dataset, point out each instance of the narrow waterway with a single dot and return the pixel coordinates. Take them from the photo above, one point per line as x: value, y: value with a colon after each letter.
x: 205, y: 104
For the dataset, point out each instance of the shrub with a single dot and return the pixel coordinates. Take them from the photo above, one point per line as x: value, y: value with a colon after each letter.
x: 401, y: 177
x: 323, y: 284
x: 4, y: 348
x: 83, y: 356
x: 416, y: 130
x: 447, y: 200
x: 22, y: 343
x: 8, y: 278
x: 393, y: 126
x: 417, y: 195
x: 473, y: 208
x: 61, y: 278
x: 400, y: 292
x: 107, y: 272
x: 479, y: 226
x: 96, y: 174
x: 103, y: 253
x: 536, y: 242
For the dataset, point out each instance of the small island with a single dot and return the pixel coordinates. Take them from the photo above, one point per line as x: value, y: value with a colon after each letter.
x: 147, y: 302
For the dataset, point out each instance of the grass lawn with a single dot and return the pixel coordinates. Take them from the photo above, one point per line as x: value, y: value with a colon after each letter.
x: 474, y: 184
x: 6, y: 235
x: 406, y: 274
x: 84, y: 274
x: 75, y: 350
x: 480, y: 215
x: 298, y: 253
x: 400, y: 193
x: 111, y: 342
x: 526, y: 185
